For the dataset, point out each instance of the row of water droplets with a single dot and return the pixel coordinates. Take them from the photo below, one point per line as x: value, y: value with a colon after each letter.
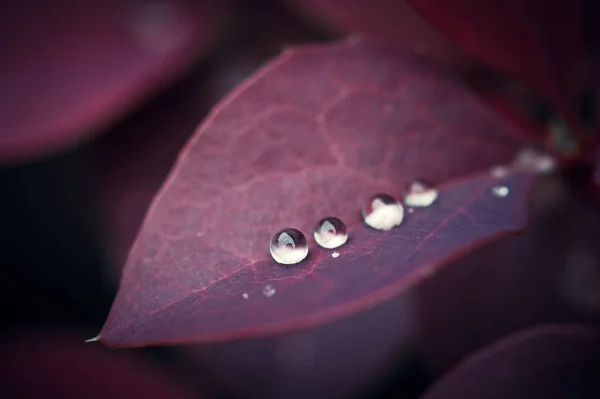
x: 384, y: 212
x: 380, y: 212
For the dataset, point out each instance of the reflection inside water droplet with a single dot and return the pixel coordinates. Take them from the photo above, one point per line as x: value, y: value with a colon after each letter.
x: 288, y: 246
x: 500, y: 191
x: 420, y: 194
x: 330, y: 233
x: 269, y: 291
x: 335, y: 254
x: 383, y: 212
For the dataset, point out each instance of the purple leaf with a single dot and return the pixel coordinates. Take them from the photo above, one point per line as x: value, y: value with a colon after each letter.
x: 313, y: 134
x: 71, y: 68
x: 544, y: 362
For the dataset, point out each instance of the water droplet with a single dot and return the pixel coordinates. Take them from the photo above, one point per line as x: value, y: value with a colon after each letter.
x: 288, y: 247
x: 383, y: 212
x: 245, y: 295
x: 411, y: 210
x: 420, y: 194
x: 500, y: 191
x: 335, y: 254
x: 269, y: 291
x: 530, y: 160
x: 330, y: 233
x: 499, y: 172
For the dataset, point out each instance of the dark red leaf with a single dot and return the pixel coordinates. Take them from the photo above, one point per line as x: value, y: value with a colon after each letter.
x: 56, y: 364
x: 392, y: 20
x: 312, y: 134
x: 539, y: 42
x: 545, y: 362
x: 71, y: 67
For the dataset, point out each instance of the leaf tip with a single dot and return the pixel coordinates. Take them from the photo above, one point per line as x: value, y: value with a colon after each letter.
x: 94, y: 339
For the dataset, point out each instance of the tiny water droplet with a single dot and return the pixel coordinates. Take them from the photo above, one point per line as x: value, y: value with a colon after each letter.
x: 420, y: 194
x: 499, y: 172
x: 330, y: 233
x: 500, y: 191
x: 411, y: 210
x: 245, y: 295
x: 269, y: 291
x: 288, y: 246
x: 383, y: 212
x: 335, y: 254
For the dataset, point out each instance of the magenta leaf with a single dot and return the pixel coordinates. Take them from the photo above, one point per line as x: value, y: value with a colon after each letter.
x: 540, y: 43
x: 56, y: 364
x: 71, y: 68
x: 313, y: 134
x: 544, y: 362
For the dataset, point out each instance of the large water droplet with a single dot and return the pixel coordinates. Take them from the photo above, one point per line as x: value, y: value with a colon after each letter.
x: 330, y: 233
x: 288, y: 246
x: 383, y: 212
x: 420, y: 194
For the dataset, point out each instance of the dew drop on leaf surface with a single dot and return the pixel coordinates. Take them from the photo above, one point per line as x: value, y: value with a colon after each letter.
x: 288, y: 246
x: 330, y: 233
x: 530, y: 160
x: 269, y: 291
x: 383, y: 212
x: 335, y: 254
x: 420, y: 194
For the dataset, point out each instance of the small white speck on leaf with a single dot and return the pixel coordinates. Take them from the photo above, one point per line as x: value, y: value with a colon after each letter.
x: 269, y: 291
x: 245, y: 295
x: 335, y: 254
